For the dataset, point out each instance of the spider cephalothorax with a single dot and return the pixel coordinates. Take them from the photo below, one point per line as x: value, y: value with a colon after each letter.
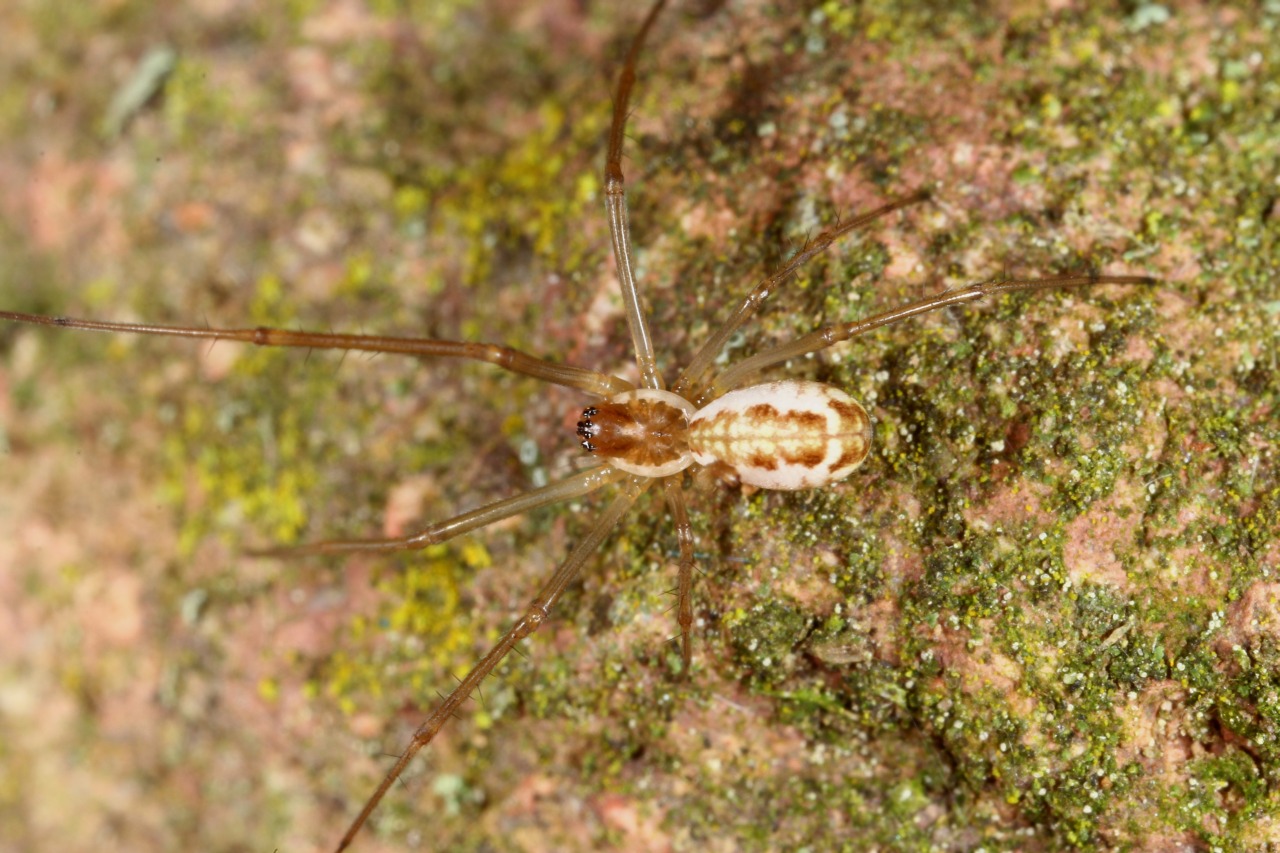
x: 645, y: 432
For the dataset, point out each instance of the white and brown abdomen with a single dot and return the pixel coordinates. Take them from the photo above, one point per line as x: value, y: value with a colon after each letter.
x: 783, y: 435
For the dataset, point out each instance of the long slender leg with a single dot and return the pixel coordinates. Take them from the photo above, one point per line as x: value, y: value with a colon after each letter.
x: 615, y: 203
x: 533, y: 618
x: 684, y: 586
x: 599, y: 384
x: 707, y: 353
x: 823, y: 338
x: 577, y: 485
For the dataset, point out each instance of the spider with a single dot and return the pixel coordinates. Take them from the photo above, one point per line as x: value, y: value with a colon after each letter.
x: 787, y: 434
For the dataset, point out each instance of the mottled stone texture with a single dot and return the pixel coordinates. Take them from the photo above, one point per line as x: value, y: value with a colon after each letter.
x: 1041, y: 616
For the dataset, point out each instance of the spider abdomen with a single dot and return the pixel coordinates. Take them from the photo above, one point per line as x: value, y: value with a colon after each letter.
x: 783, y: 435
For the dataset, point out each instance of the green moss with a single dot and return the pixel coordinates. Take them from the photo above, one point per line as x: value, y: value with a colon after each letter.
x: 763, y: 639
x: 192, y: 106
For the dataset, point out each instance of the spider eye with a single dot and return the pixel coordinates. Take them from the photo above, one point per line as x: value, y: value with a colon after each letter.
x: 587, y: 429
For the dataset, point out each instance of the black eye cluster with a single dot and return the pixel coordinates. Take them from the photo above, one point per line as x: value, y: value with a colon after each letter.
x: 586, y: 429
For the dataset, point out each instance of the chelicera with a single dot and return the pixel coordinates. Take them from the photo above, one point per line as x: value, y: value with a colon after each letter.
x: 785, y: 435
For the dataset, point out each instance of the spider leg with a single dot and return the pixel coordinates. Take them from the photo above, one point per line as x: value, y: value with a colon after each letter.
x: 823, y: 338
x: 684, y: 586
x: 537, y: 613
x: 577, y: 485
x: 706, y: 354
x: 590, y: 381
x: 615, y: 202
